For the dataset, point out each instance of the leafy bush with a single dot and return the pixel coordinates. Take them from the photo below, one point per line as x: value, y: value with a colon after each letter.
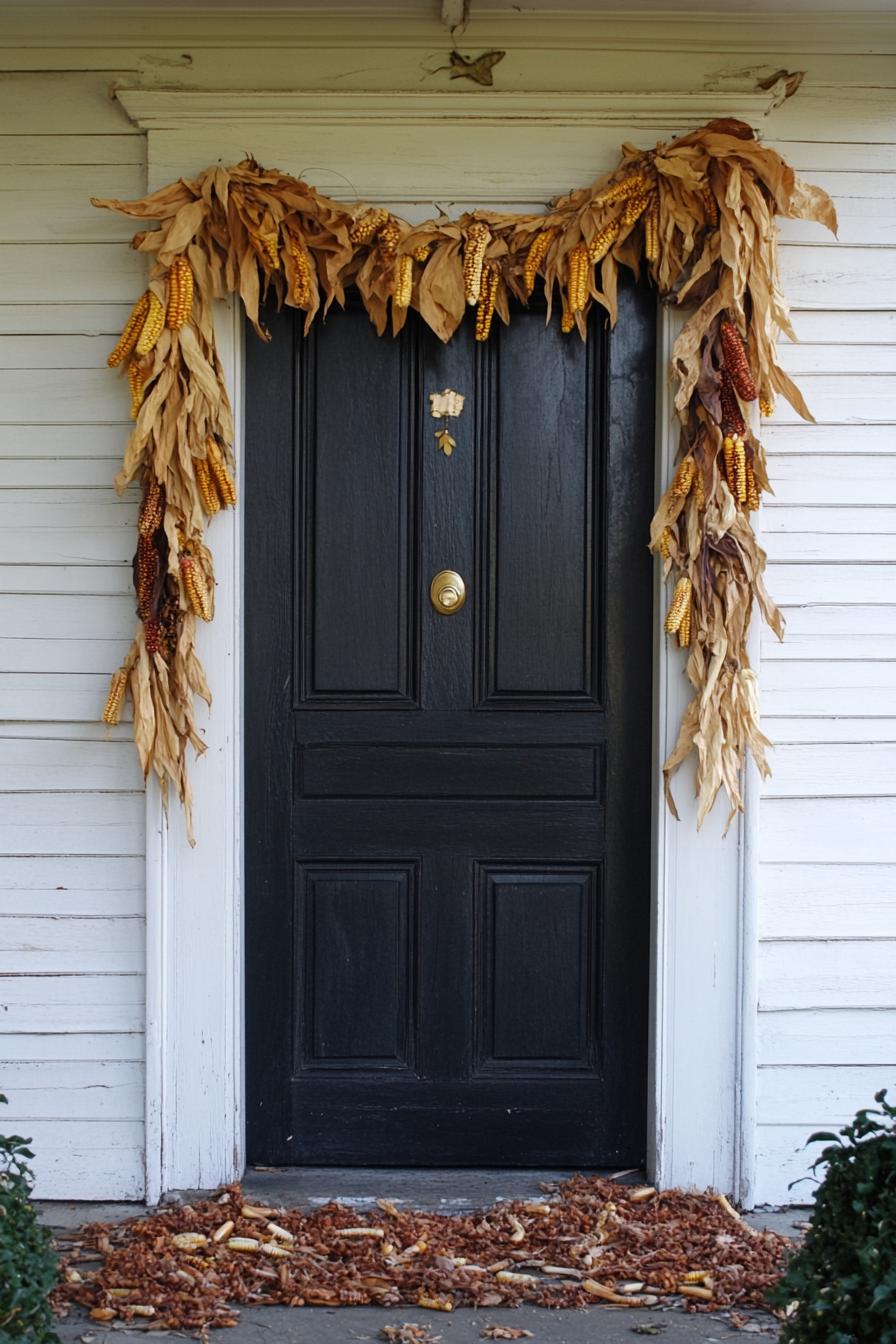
x: 843, y: 1278
x: 28, y: 1267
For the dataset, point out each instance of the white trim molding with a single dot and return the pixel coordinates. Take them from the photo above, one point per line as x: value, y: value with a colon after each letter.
x: 702, y: 930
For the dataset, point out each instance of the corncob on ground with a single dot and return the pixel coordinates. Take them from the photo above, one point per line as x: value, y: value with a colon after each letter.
x: 475, y: 244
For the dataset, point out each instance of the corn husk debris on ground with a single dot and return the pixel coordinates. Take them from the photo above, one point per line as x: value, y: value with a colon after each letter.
x: 590, y: 1242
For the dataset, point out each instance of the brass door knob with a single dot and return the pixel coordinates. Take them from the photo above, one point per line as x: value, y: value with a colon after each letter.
x: 447, y: 592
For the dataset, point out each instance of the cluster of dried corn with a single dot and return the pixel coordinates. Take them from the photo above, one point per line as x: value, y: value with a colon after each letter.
x: 698, y: 212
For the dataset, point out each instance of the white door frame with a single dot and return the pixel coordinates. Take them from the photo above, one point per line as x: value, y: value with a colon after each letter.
x: 703, y: 944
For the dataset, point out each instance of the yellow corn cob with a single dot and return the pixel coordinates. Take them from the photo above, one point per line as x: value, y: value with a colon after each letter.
x: 766, y: 405
x: 710, y: 206
x: 180, y: 293
x: 421, y: 253
x: 389, y: 237
x: 752, y: 489
x: 220, y: 475
x: 135, y: 382
x: 206, y: 486
x: 652, y: 232
x: 621, y: 190
x: 267, y: 245
x: 684, y: 630
x: 740, y: 469
x: 681, y: 599
x: 684, y: 477
x: 689, y: 1290
x: 404, y: 283
x: 189, y: 1241
x: 695, y: 1276
x: 223, y: 1231
x: 243, y: 1244
x: 475, y: 244
x: 728, y: 450
x: 634, y: 209
x: 603, y: 240
x: 435, y: 1303
x: 577, y: 282
x: 132, y: 329
x: 488, y: 293
x: 567, y: 321
x: 115, y: 698
x: 699, y: 492
x: 151, y: 513
x: 152, y: 325
x: 665, y: 538
x: 301, y: 285
x: 366, y: 225
x: 534, y: 257
x: 194, y: 586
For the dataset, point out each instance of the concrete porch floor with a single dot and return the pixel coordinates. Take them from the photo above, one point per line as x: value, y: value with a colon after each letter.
x: 448, y: 1191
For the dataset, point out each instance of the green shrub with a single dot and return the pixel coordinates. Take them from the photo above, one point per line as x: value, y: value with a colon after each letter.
x: 28, y: 1266
x: 843, y: 1277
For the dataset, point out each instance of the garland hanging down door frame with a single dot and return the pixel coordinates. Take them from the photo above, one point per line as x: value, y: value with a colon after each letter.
x: 698, y: 213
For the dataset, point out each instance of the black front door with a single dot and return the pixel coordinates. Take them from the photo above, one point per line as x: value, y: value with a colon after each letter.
x: 447, y: 862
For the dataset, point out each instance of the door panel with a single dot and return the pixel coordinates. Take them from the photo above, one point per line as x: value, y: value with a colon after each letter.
x: 447, y: 815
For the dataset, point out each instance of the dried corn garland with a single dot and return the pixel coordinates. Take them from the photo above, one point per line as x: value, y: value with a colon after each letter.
x: 245, y: 229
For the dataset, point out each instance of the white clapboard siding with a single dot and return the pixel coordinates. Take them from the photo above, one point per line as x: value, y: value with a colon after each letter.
x: 795, y: 1095
x: 860, y: 479
x: 70, y: 885
x: 832, y: 973
x: 846, y: 687
x: 50, y: 204
x: 852, y: 769
x: 783, y: 1163
x: 123, y: 1046
x: 845, y: 1036
x: 80, y: 1090
x: 828, y: 830
x: 57, y: 319
x: 51, y: 697
x: 88, y: 1159
x: 783, y: 730
x: 800, y: 437
x: 75, y: 1003
x: 830, y: 900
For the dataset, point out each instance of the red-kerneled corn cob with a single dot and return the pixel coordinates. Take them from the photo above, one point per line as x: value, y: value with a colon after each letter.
x: 404, y: 281
x: 194, y: 587
x: 740, y: 469
x: 634, y: 184
x: 366, y: 225
x: 652, y: 232
x: 132, y: 329
x: 146, y: 571
x: 301, y: 284
x: 475, y: 244
x: 732, y: 416
x: 153, y: 508
x: 736, y: 362
x: 577, y: 278
x: 206, y: 486
x: 684, y: 477
x: 115, y: 698
x: 152, y: 325
x: 681, y: 600
x: 152, y: 636
x: 180, y: 293
x: 221, y: 476
x: 602, y: 241
x: 488, y: 293
x: 752, y: 488
x: 534, y: 257
x: 710, y: 206
x: 389, y: 237
x: 136, y: 381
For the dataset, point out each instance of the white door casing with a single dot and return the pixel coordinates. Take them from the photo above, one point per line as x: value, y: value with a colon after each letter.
x: 703, y: 928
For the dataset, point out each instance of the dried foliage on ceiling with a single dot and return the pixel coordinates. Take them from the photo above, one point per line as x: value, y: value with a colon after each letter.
x: 698, y: 213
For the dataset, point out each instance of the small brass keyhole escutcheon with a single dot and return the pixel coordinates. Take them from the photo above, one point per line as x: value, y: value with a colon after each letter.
x: 447, y: 592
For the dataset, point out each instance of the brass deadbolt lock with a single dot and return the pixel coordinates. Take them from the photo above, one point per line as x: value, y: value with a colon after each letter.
x: 447, y: 592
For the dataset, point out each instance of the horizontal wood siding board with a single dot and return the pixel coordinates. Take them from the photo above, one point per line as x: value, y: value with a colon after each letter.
x: 827, y: 900
x: 72, y: 823
x: 837, y: 973
x: 789, y: 1095
x: 824, y: 1036
x: 783, y: 1165
x: 88, y: 1159
x: 53, y: 697
x: 71, y: 1046
x: 72, y: 1002
x: 836, y: 770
